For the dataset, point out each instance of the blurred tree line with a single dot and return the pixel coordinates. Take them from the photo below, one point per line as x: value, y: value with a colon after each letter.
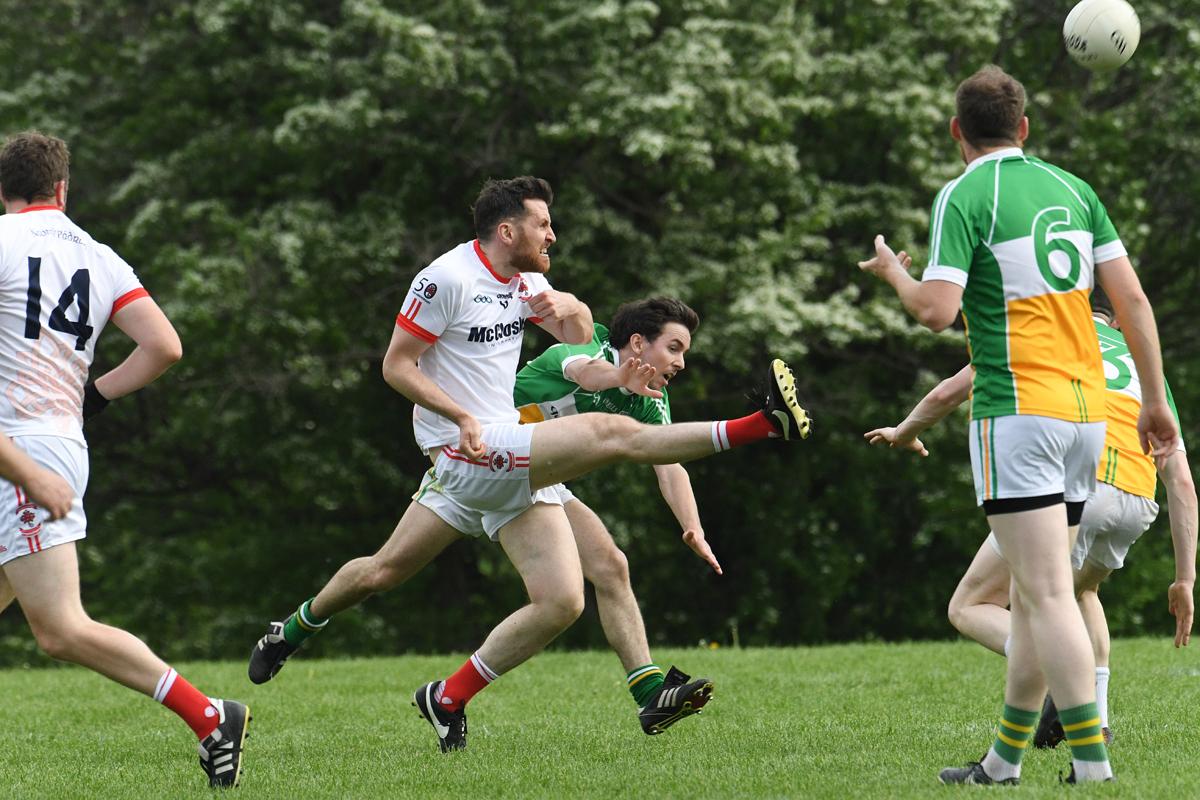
x: 278, y: 170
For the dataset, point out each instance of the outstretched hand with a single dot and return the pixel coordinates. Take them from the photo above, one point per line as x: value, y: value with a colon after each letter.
x: 885, y: 260
x: 890, y: 436
x: 1182, y: 606
x: 694, y: 538
x: 636, y: 376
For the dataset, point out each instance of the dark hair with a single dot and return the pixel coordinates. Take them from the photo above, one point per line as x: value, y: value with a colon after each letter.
x: 31, y: 163
x: 1101, y: 303
x: 990, y: 106
x: 648, y: 317
x: 501, y: 200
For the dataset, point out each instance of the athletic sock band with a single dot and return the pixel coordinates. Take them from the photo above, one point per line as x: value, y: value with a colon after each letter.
x: 1082, y: 727
x: 303, y: 624
x: 1014, y: 733
x: 188, y: 702
x: 643, y: 682
x: 471, y: 678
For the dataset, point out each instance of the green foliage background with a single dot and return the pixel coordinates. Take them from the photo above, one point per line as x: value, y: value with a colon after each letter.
x: 278, y: 170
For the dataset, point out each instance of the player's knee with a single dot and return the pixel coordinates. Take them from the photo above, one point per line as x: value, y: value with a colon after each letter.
x: 955, y: 612
x: 563, y: 608
x: 55, y: 643
x: 382, y: 576
x: 612, y: 429
x: 610, y: 572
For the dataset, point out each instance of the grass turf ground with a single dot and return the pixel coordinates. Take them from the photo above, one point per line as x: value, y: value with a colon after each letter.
x: 868, y: 720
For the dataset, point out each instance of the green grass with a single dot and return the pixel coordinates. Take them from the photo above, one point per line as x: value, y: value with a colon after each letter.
x: 841, y: 721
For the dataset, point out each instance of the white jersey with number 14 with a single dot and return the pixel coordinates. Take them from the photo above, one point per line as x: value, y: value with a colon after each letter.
x: 58, y: 288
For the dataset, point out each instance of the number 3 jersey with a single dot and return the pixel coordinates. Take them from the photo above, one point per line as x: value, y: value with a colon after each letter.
x: 475, y: 321
x: 1023, y: 238
x: 58, y: 288
x: 1123, y: 464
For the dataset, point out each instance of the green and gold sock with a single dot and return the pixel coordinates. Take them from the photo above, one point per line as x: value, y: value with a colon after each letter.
x: 1082, y: 726
x: 301, y: 625
x: 1012, y: 737
x: 644, y: 682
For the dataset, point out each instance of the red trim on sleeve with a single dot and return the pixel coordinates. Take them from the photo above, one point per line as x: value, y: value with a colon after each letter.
x: 483, y: 257
x: 127, y: 298
x: 39, y: 208
x: 536, y: 320
x: 415, y: 329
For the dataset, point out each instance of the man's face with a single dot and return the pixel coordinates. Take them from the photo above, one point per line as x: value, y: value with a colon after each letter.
x: 532, y: 237
x: 665, y: 353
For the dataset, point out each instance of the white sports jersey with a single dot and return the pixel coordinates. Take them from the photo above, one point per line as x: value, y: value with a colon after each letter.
x: 476, y: 321
x: 58, y: 288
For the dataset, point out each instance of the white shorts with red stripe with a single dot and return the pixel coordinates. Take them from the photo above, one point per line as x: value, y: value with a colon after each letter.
x: 483, y: 495
x: 24, y: 526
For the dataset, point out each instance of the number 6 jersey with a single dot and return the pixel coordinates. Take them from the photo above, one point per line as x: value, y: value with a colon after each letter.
x: 58, y: 288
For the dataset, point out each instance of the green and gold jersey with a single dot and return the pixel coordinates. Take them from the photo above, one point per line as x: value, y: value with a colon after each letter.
x: 543, y: 390
x: 1123, y: 464
x: 1023, y: 238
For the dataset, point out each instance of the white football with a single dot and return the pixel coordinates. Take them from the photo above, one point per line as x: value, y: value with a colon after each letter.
x: 1102, y: 34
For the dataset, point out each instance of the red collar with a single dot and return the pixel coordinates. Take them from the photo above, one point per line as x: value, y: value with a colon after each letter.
x: 483, y: 257
x: 39, y: 208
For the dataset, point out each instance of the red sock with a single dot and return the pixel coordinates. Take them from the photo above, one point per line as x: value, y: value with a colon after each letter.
x: 737, y: 432
x: 460, y: 687
x: 188, y: 702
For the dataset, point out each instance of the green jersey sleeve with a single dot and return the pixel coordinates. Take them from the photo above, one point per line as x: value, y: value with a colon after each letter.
x: 954, y: 233
x: 1106, y: 244
x: 543, y: 379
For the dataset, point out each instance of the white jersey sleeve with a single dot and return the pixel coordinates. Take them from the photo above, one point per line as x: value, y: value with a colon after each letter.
x: 531, y: 285
x: 434, y: 300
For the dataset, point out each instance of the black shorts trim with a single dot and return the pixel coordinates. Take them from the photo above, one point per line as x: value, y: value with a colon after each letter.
x: 1014, y: 505
x: 1075, y: 512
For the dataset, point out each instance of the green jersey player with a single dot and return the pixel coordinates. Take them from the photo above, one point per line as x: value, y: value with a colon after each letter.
x: 625, y: 371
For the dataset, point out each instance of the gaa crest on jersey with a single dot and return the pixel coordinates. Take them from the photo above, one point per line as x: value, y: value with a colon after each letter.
x: 28, y: 521
x: 523, y: 293
x: 429, y: 291
x: 502, y: 462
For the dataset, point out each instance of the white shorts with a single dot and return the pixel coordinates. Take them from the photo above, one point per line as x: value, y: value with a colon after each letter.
x: 1022, y: 455
x: 482, y: 496
x: 1113, y: 520
x: 565, y: 495
x: 24, y: 526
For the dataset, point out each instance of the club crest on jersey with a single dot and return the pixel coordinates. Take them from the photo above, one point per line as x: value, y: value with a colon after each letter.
x: 429, y: 291
x: 523, y: 293
x: 27, y: 520
x: 502, y: 462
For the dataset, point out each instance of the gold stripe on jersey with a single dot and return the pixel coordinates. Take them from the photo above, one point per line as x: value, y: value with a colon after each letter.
x: 1054, y: 357
x: 1123, y: 464
x: 531, y: 413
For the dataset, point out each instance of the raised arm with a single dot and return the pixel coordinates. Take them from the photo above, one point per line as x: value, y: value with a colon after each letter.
x: 1156, y: 423
x: 932, y: 303
x: 158, y: 347
x: 676, y: 488
x: 563, y: 316
x: 1182, y: 508
x: 402, y: 374
x: 596, y: 375
x: 933, y: 408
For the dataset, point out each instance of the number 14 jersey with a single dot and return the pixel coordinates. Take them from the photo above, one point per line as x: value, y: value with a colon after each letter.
x: 58, y: 288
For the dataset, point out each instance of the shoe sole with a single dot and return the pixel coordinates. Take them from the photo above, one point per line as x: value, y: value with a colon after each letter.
x: 787, y: 390
x: 689, y: 707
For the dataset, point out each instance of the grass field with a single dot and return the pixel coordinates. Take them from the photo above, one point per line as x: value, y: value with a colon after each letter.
x: 839, y: 721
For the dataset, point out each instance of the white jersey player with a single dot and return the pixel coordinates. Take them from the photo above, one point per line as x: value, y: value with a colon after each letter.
x: 58, y: 289
x: 454, y: 353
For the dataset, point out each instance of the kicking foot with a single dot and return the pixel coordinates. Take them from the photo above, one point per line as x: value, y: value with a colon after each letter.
x: 450, y: 726
x: 781, y: 406
x: 221, y: 750
x: 678, y: 697
x: 972, y: 775
x: 269, y: 654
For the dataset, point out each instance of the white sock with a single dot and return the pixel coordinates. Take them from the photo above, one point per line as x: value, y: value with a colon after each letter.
x: 1092, y: 770
x: 1102, y: 694
x: 998, y: 769
x: 719, y: 437
x: 1007, y: 644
